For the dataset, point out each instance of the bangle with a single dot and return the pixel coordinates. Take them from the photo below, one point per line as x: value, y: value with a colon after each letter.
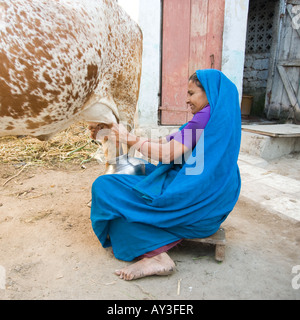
x: 140, y: 148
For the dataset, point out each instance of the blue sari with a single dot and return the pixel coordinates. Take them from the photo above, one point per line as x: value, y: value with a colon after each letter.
x: 176, y: 201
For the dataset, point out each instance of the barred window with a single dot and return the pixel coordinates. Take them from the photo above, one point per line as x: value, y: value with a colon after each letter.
x: 260, y: 26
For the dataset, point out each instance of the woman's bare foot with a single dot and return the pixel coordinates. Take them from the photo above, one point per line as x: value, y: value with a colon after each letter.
x: 160, y: 265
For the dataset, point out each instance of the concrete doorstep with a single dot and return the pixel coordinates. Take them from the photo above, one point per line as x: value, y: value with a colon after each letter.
x: 270, y: 141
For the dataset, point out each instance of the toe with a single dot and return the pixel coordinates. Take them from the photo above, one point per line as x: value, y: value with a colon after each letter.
x: 129, y: 277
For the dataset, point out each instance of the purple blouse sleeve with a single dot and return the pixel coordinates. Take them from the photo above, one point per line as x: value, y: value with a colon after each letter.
x: 191, y: 133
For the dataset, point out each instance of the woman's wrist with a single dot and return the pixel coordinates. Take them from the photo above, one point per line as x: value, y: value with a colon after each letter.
x: 140, y: 149
x: 132, y: 140
x: 137, y: 143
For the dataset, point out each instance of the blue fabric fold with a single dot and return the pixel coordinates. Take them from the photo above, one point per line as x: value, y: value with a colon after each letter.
x: 176, y: 201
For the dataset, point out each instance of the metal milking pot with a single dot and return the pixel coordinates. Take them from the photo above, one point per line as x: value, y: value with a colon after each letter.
x: 126, y: 165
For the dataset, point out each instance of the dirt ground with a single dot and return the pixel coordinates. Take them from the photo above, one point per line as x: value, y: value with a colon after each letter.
x: 48, y: 249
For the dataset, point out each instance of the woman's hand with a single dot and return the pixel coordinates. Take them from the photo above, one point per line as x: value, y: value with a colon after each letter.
x: 95, y: 127
x: 120, y: 134
x: 114, y: 132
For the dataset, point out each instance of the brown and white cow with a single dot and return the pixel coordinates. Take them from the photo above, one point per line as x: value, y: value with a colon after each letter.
x: 66, y: 60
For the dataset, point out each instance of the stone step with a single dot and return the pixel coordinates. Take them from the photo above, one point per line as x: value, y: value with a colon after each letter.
x: 270, y: 141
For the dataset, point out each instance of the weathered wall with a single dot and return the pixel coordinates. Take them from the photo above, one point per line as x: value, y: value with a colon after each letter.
x: 256, y: 70
x: 234, y: 41
x: 150, y: 23
x: 255, y: 79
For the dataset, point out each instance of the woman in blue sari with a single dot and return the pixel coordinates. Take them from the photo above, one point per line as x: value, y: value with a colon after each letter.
x: 142, y: 217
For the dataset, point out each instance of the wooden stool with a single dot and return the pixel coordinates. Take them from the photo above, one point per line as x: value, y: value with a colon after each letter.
x: 219, y: 240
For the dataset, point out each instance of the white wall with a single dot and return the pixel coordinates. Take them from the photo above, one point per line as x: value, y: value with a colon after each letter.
x: 234, y: 41
x: 150, y: 23
x: 131, y: 7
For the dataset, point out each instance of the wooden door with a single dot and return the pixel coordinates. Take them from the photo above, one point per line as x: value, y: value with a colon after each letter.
x: 192, y: 40
x: 283, y: 94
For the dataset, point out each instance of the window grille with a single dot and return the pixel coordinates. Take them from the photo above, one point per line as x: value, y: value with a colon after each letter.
x: 260, y: 26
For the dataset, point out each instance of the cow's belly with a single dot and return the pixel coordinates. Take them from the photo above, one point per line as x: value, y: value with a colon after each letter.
x: 98, y: 112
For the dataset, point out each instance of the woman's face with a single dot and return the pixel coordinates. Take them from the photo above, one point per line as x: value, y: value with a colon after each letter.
x: 196, y: 98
